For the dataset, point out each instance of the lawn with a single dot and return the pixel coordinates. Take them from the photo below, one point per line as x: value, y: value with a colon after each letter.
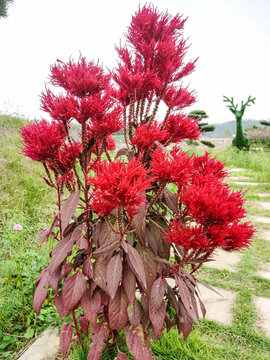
x: 24, y: 200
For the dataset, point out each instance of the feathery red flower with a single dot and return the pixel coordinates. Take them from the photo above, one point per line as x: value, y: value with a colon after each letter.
x: 178, y: 99
x: 67, y: 155
x: 174, y: 167
x: 189, y: 237
x: 81, y: 79
x: 117, y: 184
x: 181, y: 127
x: 212, y: 203
x: 61, y: 108
x: 207, y: 166
x: 144, y: 136
x: 42, y: 140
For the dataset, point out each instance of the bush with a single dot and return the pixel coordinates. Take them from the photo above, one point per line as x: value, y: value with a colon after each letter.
x: 260, y: 136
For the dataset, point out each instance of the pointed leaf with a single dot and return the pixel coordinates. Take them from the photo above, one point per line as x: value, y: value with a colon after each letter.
x: 135, y: 313
x: 138, y: 222
x: 150, y: 266
x: 129, y: 282
x: 171, y: 200
x: 58, y: 302
x: 118, y: 316
x: 137, y: 264
x: 100, y: 266
x: 73, y: 290
x: 99, y: 335
x: 65, y: 338
x: 185, y: 297
x: 108, y: 247
x: 121, y: 356
x: 84, y: 325
x: 41, y: 291
x: 68, y: 208
x: 88, y: 268
x: 114, y: 274
x: 60, y: 252
x: 157, y: 310
x: 139, y: 349
x: 91, y: 306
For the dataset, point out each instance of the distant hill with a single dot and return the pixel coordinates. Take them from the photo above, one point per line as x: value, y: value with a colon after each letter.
x: 227, y: 129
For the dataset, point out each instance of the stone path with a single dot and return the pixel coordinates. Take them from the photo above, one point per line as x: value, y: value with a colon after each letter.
x: 265, y: 271
x: 262, y: 305
x: 44, y: 348
x: 218, y: 307
x: 225, y: 261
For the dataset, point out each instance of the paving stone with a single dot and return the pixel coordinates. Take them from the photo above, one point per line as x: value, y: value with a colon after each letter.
x: 246, y: 183
x: 263, y: 234
x: 44, y: 348
x: 263, y: 194
x: 218, y: 308
x: 265, y: 271
x: 262, y: 305
x: 236, y: 170
x: 261, y: 219
x: 266, y: 205
x: 239, y: 178
x: 224, y: 260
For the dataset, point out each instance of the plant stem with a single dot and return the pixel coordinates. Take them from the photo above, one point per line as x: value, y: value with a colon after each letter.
x: 76, y: 328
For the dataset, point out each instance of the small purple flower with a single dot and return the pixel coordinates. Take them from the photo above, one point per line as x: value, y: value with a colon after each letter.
x: 17, y: 227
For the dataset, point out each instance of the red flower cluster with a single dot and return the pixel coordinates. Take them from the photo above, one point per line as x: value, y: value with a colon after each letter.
x: 67, y: 155
x: 117, y: 184
x: 212, y: 203
x: 174, y: 167
x: 206, y: 166
x: 145, y: 136
x: 181, y: 127
x: 178, y: 99
x: 80, y: 79
x: 42, y: 140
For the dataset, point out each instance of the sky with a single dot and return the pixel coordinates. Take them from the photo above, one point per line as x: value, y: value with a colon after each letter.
x: 231, y: 39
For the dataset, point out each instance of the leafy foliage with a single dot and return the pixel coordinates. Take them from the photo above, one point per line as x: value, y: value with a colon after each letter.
x: 120, y: 225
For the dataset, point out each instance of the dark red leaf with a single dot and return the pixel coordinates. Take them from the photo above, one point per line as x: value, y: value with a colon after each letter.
x: 129, y: 282
x: 100, y: 266
x: 73, y: 290
x: 121, y: 356
x: 209, y: 287
x: 58, y: 302
x: 65, y: 338
x: 55, y: 278
x: 66, y: 269
x: 118, y: 316
x: 108, y: 247
x: 91, y: 306
x: 99, y: 335
x: 185, y: 297
x: 139, y: 349
x: 157, y: 310
x: 106, y: 236
x: 60, y: 252
x: 186, y: 323
x: 138, y: 223
x: 45, y: 233
x: 84, y: 324
x: 135, y: 313
x: 137, y: 264
x: 152, y: 235
x: 114, y: 274
x: 170, y: 199
x: 78, y: 238
x: 41, y: 291
x: 150, y: 266
x: 88, y: 268
x: 129, y: 153
x: 68, y: 208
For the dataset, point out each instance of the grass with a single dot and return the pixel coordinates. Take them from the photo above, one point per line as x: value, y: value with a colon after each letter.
x: 24, y: 199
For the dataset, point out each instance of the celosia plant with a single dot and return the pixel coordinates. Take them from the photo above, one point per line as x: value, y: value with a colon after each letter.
x: 128, y: 248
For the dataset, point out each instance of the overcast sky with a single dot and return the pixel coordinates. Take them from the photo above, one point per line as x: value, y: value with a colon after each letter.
x: 231, y: 39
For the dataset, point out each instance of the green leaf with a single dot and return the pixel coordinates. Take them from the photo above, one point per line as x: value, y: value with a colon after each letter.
x: 29, y: 333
